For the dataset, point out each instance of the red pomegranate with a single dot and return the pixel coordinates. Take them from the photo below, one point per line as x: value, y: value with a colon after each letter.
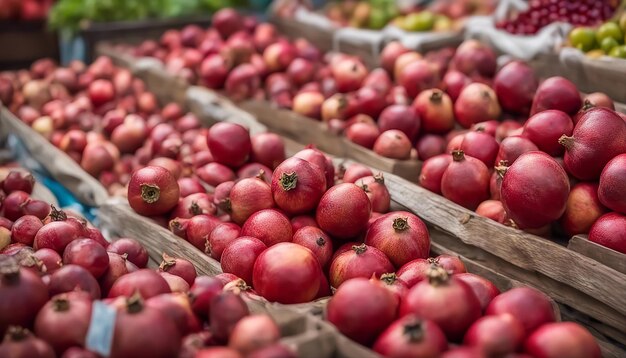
x: 418, y: 76
x: 393, y: 144
x: 298, y: 185
x: 530, y: 306
x: 362, y: 310
x: 610, y: 231
x: 248, y: 196
x: 545, y: 128
x: 316, y: 240
x: 153, y: 191
x: 63, y: 322
x: 287, y: 273
x: 583, y: 208
x: 484, y: 289
x: 401, y: 236
x: 465, y: 181
x: 482, y: 146
x: 612, y: 187
x: 414, y: 271
x: 430, y: 145
x: 495, y: 335
x: 556, y: 93
x: 220, y: 237
x: 476, y: 103
x: 453, y: 83
x: 562, y: 339
x: 377, y: 192
x: 402, y: 118
x: 390, y: 54
x: 492, y: 209
x: 239, y: 256
x: 146, y: 282
x: 432, y: 172
x: 534, y: 190
x: 361, y: 261
x: 435, y: 111
x: 515, y: 85
x: 229, y: 144
x: 514, y: 146
x: 444, y: 299
x: 411, y: 336
x: 473, y: 57
x: 268, y: 225
x: 343, y: 211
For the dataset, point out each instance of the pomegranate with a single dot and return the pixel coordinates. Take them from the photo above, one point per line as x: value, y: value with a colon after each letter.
x: 175, y: 283
x: 515, y: 85
x: 562, y: 339
x: 152, y: 191
x: 417, y: 76
x: 50, y: 259
x: 20, y: 343
x: 402, y: 118
x: 446, y: 300
x: 268, y: 225
x: 215, y: 173
x: 430, y: 145
x: 55, y: 235
x: 514, y: 146
x: 545, y: 128
x: 362, y: 310
x: 13, y: 204
x: 465, y: 181
x: 476, y: 103
x: 242, y: 82
x: 253, y: 333
x: 229, y: 143
x: 239, y: 256
x: 298, y: 222
x: 556, y: 93
x: 582, y: 209
x: 88, y: 254
x: 402, y: 61
x: 410, y: 336
x: 16, y: 180
x: 484, y: 289
x: 361, y: 261
x: 316, y: 240
x: 432, y: 172
x: 495, y: 335
x: 435, y: 110
x: 118, y: 267
x: 267, y: 149
x: 23, y: 294
x: 202, y: 292
x: 279, y: 55
x: 247, y: 197
x: 517, y: 302
x: 220, y: 237
x: 286, y: 273
x: 611, y: 190
x: 178, y: 267
x: 340, y: 217
x: 146, y: 282
x: 100, y: 92
x: 297, y: 186
x: 217, y: 352
x: 550, y: 188
x: 473, y: 57
x: 227, y: 21
x: 481, y: 146
x: 377, y: 192
x: 393, y: 144
x: 348, y: 73
x: 453, y: 83
x: 356, y: 171
x: 380, y: 82
x: 335, y: 107
x: 393, y: 284
x: 494, y: 210
x: 177, y: 307
x: 136, y: 253
x: 213, y: 71
x: 390, y: 54
x: 63, y: 322
x: 401, y: 236
x: 308, y: 104
x: 159, y: 336
x: 610, y: 231
x: 225, y: 311
x: 363, y: 134
x: 73, y: 278
x: 25, y: 228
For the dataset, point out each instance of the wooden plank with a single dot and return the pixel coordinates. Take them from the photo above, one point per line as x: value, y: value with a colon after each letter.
x: 602, y: 254
x: 532, y: 253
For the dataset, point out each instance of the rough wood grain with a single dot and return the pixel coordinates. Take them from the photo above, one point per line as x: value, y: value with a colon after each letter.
x: 61, y: 167
x: 526, y: 251
x: 602, y: 254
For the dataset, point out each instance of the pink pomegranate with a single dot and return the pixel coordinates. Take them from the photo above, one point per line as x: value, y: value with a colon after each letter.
x: 473, y: 57
x: 534, y: 190
x: 465, y: 181
x: 481, y: 146
x: 556, y: 93
x: 435, y: 110
x: 417, y: 76
x: 432, y: 172
x: 514, y: 146
x: 515, y: 85
x: 390, y: 54
x: 400, y: 117
x: 454, y: 82
x: 476, y: 103
x: 430, y: 145
x: 612, y: 188
x: 583, y: 208
x: 610, y: 231
x: 393, y: 144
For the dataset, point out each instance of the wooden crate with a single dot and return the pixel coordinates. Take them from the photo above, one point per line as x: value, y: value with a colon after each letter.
x: 23, y: 42
x: 61, y: 167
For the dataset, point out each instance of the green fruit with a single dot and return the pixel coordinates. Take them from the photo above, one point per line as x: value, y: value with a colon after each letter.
x: 583, y: 38
x: 618, y: 51
x: 607, y: 44
x: 421, y: 21
x: 622, y: 22
x: 378, y: 19
x: 609, y: 29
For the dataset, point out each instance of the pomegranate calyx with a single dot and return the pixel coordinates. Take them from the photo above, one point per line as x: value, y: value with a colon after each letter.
x: 237, y: 286
x: 359, y: 249
x: 437, y: 275
x: 401, y: 224
x: 413, y: 330
x: 225, y: 205
x: 134, y: 304
x: 261, y: 175
x: 458, y: 155
x: 9, y: 270
x: 207, y: 246
x: 320, y: 241
x: 379, y: 178
x: 502, y: 168
x: 60, y: 304
x: 168, y: 261
x: 436, y: 96
x: 566, y: 141
x: 389, y: 278
x: 365, y: 188
x: 288, y: 181
x: 150, y: 193
x: 587, y: 105
x: 195, y: 209
x: 27, y: 259
x: 56, y: 214
x: 16, y: 334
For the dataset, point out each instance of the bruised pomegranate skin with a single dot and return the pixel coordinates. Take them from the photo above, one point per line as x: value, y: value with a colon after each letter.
x: 432, y: 172
x: 583, y: 208
x: 562, y: 339
x: 530, y: 306
x: 361, y: 261
x: 297, y: 186
x: 343, y: 211
x: 556, y: 93
x: 287, y: 273
x: 515, y: 85
x: 411, y: 336
x: 484, y: 289
x: 444, y: 299
x: 534, y: 190
x: 362, y: 310
x: 610, y: 231
x: 401, y: 236
x: 545, y: 128
x: 465, y: 181
x: 612, y: 186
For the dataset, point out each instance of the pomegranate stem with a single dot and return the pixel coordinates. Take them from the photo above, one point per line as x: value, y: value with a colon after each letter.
x: 150, y: 193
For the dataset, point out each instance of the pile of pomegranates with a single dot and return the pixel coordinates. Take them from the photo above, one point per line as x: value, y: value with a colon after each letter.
x: 55, y: 269
x: 433, y: 308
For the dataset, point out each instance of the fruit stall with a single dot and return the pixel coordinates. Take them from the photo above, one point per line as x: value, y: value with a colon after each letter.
x: 334, y: 179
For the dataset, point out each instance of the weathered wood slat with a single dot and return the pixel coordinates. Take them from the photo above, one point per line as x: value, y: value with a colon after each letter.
x: 603, y: 255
